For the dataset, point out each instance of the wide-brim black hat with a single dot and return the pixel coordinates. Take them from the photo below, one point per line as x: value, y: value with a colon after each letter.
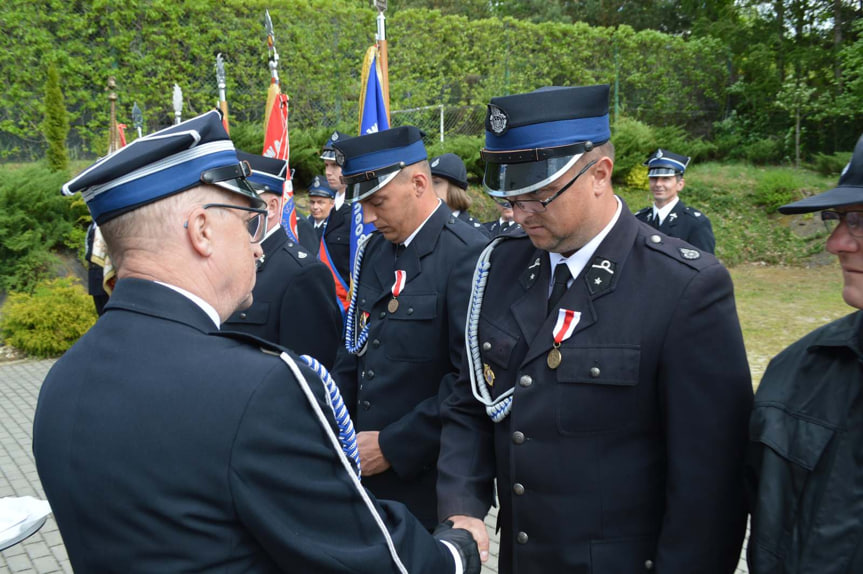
x: 848, y: 192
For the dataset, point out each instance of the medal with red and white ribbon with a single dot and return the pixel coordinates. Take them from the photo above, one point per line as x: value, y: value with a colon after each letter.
x: 566, y: 322
x: 398, y: 286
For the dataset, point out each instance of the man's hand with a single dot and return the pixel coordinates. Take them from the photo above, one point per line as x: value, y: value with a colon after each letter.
x: 477, y: 529
x: 372, y: 460
x: 460, y: 542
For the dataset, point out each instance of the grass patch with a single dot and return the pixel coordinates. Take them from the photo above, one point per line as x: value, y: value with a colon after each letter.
x: 778, y: 305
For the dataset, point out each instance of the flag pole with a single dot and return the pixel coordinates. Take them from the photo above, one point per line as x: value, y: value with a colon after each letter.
x: 381, y: 38
x: 220, y: 82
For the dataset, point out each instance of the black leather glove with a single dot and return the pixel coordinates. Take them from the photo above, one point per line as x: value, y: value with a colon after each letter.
x: 463, y: 541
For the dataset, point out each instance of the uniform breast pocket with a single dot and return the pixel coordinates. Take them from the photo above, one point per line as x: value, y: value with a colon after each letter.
x: 794, y: 448
x: 412, y: 333
x: 597, y: 388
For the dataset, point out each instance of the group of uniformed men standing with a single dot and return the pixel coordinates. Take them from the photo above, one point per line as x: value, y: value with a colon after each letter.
x: 588, y: 365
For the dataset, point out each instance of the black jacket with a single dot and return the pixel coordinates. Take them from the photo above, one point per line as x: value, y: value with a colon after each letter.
x: 685, y: 223
x: 337, y: 236
x: 806, y: 456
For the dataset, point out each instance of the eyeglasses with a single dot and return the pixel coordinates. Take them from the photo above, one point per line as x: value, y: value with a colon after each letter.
x: 539, y: 205
x: 256, y: 224
x: 853, y: 221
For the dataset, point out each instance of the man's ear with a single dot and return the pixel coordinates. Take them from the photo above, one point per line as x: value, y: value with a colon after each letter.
x: 273, y: 205
x: 421, y: 182
x: 602, y: 172
x: 199, y: 231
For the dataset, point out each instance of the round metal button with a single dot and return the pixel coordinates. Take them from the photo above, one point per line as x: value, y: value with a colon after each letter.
x: 486, y: 346
x: 648, y: 564
x: 366, y: 405
x: 410, y: 310
x: 521, y: 537
x: 243, y: 315
x: 525, y: 381
x: 518, y: 437
x: 382, y: 314
x: 376, y: 343
x: 594, y: 372
x: 655, y: 239
x: 370, y: 374
x: 518, y: 489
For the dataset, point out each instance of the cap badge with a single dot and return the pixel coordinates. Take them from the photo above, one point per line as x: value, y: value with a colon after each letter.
x: 335, y: 136
x: 317, y: 182
x: 435, y: 162
x: 497, y: 119
x: 690, y: 253
x: 340, y: 158
x: 658, y: 154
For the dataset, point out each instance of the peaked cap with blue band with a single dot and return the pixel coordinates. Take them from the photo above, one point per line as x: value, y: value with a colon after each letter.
x: 451, y: 167
x: 663, y: 163
x: 848, y: 192
x: 371, y: 161
x: 195, y: 152
x: 268, y: 174
x: 321, y: 188
x: 328, y: 152
x: 532, y: 139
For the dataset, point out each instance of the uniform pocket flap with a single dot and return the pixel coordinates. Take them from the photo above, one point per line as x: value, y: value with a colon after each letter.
x: 495, y: 344
x: 415, y: 307
x: 608, y: 365
x: 800, y: 440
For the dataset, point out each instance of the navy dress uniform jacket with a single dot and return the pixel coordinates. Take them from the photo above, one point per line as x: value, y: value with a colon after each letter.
x: 495, y: 228
x: 472, y: 221
x: 685, y: 223
x: 412, y: 355
x: 294, y: 303
x: 164, y: 446
x: 308, y: 237
x: 628, y: 457
x: 337, y: 236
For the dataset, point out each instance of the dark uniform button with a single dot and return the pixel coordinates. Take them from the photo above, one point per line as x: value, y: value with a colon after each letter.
x: 410, y: 310
x: 366, y: 405
x: 518, y: 437
x: 525, y: 381
x: 382, y: 314
x: 648, y: 564
x: 363, y: 301
x: 486, y: 346
x: 521, y: 537
x: 594, y: 372
x: 518, y: 489
x: 370, y: 374
x: 243, y: 315
x: 376, y: 343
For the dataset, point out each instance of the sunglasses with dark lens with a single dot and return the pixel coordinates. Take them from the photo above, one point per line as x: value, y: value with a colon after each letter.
x: 539, y: 205
x: 853, y: 221
x: 256, y: 224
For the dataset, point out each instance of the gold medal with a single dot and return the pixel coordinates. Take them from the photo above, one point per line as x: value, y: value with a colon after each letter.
x: 363, y: 320
x: 393, y: 305
x: 488, y: 374
x: 554, y: 358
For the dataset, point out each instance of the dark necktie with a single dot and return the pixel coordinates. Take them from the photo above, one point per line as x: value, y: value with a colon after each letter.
x: 561, y: 278
x: 400, y: 249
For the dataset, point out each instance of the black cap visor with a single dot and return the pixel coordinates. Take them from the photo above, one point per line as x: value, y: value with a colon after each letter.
x: 233, y: 178
x: 842, y: 196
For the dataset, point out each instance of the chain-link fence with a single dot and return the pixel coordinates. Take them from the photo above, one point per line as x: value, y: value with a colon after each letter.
x: 440, y: 122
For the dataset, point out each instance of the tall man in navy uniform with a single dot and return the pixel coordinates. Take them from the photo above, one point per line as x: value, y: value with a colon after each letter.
x: 405, y: 323
x: 668, y: 213
x: 321, y: 202
x: 165, y: 445
x: 606, y: 386
x: 295, y: 301
x: 337, y: 235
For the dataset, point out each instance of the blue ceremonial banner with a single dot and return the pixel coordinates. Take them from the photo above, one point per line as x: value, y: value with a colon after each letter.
x: 373, y: 118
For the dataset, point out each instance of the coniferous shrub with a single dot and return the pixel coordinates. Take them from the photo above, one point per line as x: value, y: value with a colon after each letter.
x: 774, y: 189
x: 48, y: 321
x: 831, y: 164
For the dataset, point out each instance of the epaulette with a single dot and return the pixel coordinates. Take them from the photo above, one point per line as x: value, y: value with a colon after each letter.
x: 643, y: 210
x: 679, y: 250
x: 464, y: 231
x: 267, y: 347
x: 694, y: 213
x: 299, y: 253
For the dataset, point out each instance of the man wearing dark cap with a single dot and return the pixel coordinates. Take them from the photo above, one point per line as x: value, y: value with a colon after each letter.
x: 605, y: 385
x: 405, y: 323
x: 503, y: 224
x: 321, y: 200
x: 295, y: 301
x: 668, y: 213
x: 806, y: 430
x: 166, y: 445
x: 449, y: 177
x: 337, y: 234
